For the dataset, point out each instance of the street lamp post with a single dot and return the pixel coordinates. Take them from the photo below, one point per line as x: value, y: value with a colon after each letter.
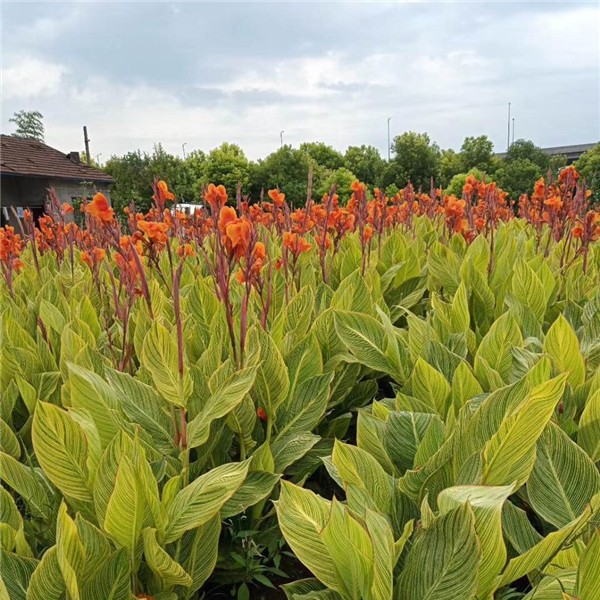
x: 389, y: 142
x: 508, y: 136
x: 281, y: 137
x: 98, y: 158
x: 183, y: 148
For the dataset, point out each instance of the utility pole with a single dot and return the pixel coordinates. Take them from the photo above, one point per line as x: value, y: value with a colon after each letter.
x: 513, y: 132
x: 183, y: 148
x: 389, y: 142
x: 508, y: 136
x: 281, y: 137
x: 86, y: 141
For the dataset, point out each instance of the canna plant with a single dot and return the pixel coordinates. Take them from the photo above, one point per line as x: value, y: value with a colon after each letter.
x: 406, y: 389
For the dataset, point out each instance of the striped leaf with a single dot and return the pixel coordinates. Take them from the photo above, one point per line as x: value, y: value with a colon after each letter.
x: 540, y: 555
x: 562, y: 345
x: 367, y: 485
x: 588, y: 436
x: 167, y: 571
x: 113, y: 580
x: 486, y: 503
x: 225, y: 398
x: 302, y: 516
x: 588, y: 574
x: 159, y: 356
x: 496, y: 347
x: 272, y: 381
x: 351, y: 551
x: 198, y: 551
x: 198, y: 502
x: 61, y: 449
x: 430, y: 386
x: 125, y: 509
x: 563, y: 480
x: 510, y: 454
x: 444, y: 559
x: 70, y: 553
x: 46, y: 582
x: 15, y: 576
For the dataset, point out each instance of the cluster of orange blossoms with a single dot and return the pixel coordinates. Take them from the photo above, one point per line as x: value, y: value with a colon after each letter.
x: 561, y: 205
x: 11, y: 246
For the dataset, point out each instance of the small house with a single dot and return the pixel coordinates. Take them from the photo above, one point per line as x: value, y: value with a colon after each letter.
x: 28, y: 169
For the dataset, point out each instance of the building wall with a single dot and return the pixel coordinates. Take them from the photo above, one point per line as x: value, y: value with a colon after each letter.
x: 66, y: 190
x: 32, y: 193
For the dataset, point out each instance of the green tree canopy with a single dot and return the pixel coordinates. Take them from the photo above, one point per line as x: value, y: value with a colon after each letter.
x: 518, y: 176
x: 134, y: 173
x: 417, y: 160
x: 589, y: 167
x: 323, y: 155
x: 342, y: 179
x: 29, y: 125
x: 227, y: 165
x: 526, y: 149
x: 451, y: 164
x: 287, y: 169
x: 458, y: 181
x: 366, y: 163
x: 477, y: 153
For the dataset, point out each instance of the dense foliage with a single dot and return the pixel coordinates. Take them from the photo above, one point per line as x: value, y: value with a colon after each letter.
x: 415, y: 159
x: 405, y: 389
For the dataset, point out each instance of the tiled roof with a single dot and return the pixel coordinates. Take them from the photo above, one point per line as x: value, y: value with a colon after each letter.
x: 34, y: 159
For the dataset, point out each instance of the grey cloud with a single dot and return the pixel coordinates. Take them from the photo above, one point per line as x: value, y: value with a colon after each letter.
x: 333, y: 71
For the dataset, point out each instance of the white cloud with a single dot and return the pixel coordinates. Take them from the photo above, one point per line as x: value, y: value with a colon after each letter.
x: 28, y: 77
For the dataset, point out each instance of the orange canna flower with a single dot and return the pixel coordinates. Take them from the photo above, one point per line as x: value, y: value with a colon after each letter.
x: 67, y: 208
x: 216, y: 196
x: 277, y: 197
x: 100, y: 209
x: 86, y: 258
x: 99, y: 254
x: 261, y: 413
x: 226, y: 216
x: 162, y: 194
x: 259, y: 251
x: 367, y: 233
x: 156, y: 232
x: 238, y: 235
x: 240, y: 276
x: 185, y: 250
x: 554, y: 202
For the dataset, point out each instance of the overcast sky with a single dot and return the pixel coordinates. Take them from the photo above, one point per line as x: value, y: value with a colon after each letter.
x: 202, y: 73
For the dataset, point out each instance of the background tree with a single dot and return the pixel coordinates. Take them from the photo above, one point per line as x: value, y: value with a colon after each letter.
x: 323, y: 155
x: 192, y: 176
x: 527, y: 150
x: 518, y: 176
x: 29, y: 125
x: 342, y: 179
x: 227, y: 165
x: 477, y: 153
x: 457, y: 183
x: 130, y: 173
x: 589, y: 167
x: 287, y: 169
x: 366, y: 163
x: 523, y: 165
x: 417, y: 160
x: 451, y: 164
